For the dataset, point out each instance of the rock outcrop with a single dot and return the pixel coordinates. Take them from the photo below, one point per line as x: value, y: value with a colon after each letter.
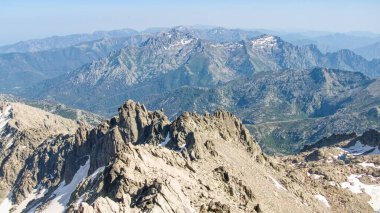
x: 22, y: 130
x: 342, y: 170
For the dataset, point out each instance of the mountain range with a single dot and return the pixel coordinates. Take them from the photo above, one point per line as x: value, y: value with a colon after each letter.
x: 370, y: 52
x: 188, y: 69
x: 332, y: 42
x: 58, y: 42
x: 35, y: 58
x: 275, y: 87
x: 173, y: 59
x: 21, y: 70
x: 287, y: 107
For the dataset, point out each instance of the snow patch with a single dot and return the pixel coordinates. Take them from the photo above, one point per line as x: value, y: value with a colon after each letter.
x: 322, y: 199
x: 95, y: 174
x: 375, y: 152
x: 186, y: 41
x: 36, y: 194
x: 182, y: 148
x: 357, y: 187
x: 182, y: 42
x: 359, y: 149
x: 166, y: 141
x: 365, y: 164
x: 61, y: 196
x: 6, y: 205
x: 230, y: 46
x: 79, y: 201
x: 314, y: 176
x: 265, y: 42
x: 277, y: 184
x: 5, y: 116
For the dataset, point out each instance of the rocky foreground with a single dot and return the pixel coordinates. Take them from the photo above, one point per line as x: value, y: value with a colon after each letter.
x: 139, y: 161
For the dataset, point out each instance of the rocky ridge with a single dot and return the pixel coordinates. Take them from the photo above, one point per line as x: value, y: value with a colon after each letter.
x: 22, y: 130
x: 139, y: 161
x: 339, y: 165
x: 56, y: 42
x: 55, y: 108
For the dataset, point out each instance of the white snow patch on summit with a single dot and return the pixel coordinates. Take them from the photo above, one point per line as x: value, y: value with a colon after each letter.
x: 265, y: 41
x: 357, y: 187
x: 186, y: 41
x: 182, y: 42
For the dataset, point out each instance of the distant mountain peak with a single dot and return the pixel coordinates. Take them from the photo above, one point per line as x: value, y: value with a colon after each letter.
x: 175, y: 33
x: 218, y: 30
x: 180, y: 28
x: 266, y: 41
x: 172, y: 38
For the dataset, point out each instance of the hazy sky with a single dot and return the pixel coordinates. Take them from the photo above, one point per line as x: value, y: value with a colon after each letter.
x: 27, y: 19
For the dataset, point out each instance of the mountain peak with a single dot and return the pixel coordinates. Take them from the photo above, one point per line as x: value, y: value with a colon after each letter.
x: 266, y: 41
x: 218, y: 30
x: 181, y: 28
x: 171, y: 39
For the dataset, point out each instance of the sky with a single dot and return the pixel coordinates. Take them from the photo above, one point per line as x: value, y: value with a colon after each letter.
x: 26, y: 19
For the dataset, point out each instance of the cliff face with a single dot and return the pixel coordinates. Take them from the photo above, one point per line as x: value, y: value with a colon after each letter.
x: 139, y: 161
x: 22, y: 130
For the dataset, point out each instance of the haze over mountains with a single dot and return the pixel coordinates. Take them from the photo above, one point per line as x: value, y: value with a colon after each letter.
x: 26, y: 63
x: 331, y: 42
x: 20, y: 70
x: 274, y: 86
x: 174, y: 59
x: 57, y: 42
x: 370, y: 51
